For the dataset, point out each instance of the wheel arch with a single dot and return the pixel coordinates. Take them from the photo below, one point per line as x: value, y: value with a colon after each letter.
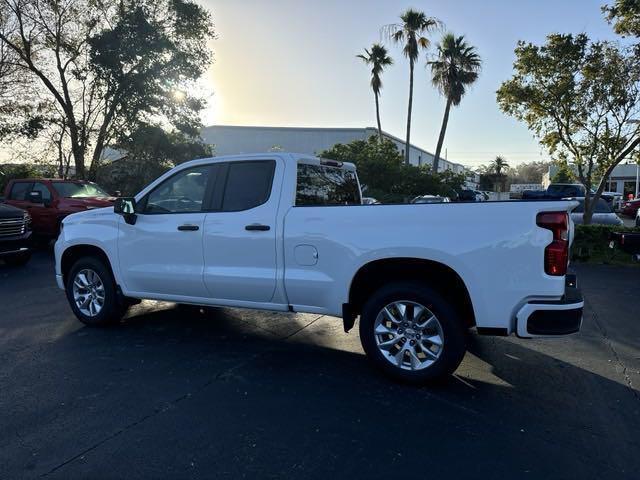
x: 440, y: 277
x: 75, y: 252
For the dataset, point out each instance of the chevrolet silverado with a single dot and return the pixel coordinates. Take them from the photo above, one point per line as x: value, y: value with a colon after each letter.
x: 289, y: 232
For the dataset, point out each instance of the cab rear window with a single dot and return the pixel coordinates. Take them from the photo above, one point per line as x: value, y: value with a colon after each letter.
x: 319, y: 185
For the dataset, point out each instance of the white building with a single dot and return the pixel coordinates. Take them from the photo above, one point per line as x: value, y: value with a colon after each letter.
x: 231, y: 139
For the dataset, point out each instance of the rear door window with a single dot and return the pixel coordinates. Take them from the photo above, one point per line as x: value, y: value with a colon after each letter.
x: 248, y: 185
x: 319, y: 185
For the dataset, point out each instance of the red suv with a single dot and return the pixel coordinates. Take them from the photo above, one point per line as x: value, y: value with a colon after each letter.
x: 630, y: 207
x: 48, y: 201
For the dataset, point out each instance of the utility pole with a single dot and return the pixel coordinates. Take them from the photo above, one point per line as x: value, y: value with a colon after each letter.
x: 636, y: 121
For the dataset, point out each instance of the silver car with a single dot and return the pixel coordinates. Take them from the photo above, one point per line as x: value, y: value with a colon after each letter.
x: 602, y: 214
x: 430, y: 199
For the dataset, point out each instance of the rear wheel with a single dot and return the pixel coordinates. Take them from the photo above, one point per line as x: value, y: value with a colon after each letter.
x: 411, y: 333
x: 91, y: 291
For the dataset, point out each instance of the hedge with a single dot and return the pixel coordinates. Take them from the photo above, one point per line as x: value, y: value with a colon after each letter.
x: 591, y: 243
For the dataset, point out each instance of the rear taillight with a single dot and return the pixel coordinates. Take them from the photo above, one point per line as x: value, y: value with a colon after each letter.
x: 556, y: 254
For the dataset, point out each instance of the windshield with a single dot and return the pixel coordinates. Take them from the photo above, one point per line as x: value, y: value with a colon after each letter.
x: 79, y: 190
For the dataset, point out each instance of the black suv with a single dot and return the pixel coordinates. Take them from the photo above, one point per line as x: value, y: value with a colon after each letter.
x: 15, y: 231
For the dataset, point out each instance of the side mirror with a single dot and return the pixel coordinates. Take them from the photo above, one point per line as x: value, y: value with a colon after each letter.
x: 35, y: 197
x: 126, y: 206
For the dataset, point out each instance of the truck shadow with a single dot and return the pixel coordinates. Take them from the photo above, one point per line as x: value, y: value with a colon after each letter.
x: 257, y: 397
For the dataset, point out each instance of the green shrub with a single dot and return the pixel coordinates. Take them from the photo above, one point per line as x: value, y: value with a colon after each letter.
x: 591, y: 243
x: 384, y: 175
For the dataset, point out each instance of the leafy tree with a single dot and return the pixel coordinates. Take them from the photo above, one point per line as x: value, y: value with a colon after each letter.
x: 564, y: 174
x: 99, y: 69
x: 410, y: 33
x: 10, y: 172
x: 384, y: 175
x: 498, y: 165
x: 149, y: 151
x: 492, y: 176
x: 625, y: 16
x: 528, y: 172
x: 578, y: 98
x: 454, y: 70
x: 378, y: 58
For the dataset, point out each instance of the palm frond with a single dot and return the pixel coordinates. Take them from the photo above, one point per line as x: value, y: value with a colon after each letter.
x: 455, y: 68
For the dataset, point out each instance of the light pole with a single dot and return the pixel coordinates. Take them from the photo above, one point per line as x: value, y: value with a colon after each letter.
x: 636, y: 121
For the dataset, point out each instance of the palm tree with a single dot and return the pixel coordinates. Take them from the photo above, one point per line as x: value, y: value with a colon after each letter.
x: 411, y: 33
x: 498, y: 165
x: 378, y: 58
x: 455, y: 69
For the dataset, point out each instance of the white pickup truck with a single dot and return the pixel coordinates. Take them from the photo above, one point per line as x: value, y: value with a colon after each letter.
x: 287, y: 232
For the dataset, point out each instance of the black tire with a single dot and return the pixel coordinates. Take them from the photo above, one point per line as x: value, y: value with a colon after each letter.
x: 114, y: 307
x: 453, y: 332
x: 18, y: 260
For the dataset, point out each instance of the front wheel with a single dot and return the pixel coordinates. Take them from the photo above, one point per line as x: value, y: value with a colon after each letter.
x: 91, y: 291
x: 411, y: 333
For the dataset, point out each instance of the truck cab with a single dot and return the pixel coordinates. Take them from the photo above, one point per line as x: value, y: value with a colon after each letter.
x: 48, y: 201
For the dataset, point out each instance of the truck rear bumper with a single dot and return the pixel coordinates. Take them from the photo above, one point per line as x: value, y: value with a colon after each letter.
x: 551, y: 318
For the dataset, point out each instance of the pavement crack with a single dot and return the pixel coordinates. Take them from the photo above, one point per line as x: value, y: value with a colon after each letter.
x: 302, y: 328
x: 616, y: 356
x: 110, y: 437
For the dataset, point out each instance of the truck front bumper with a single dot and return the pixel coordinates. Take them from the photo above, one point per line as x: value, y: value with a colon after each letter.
x: 15, y: 245
x: 543, y: 318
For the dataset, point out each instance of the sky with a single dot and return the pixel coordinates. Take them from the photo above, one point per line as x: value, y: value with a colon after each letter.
x: 293, y: 63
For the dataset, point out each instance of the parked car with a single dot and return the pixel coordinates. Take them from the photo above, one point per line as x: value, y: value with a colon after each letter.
x: 370, y: 201
x: 430, y: 199
x: 289, y: 233
x: 15, y: 233
x: 602, y: 214
x: 471, y: 196
x: 630, y: 208
x: 48, y: 201
x: 568, y: 190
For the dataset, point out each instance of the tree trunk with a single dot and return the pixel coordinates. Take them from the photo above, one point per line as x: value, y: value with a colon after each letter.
x: 78, y: 155
x: 407, y: 147
x: 378, y: 116
x: 590, y: 202
x: 443, y: 130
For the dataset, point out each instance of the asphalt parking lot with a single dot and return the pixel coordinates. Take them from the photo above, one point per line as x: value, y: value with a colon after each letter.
x: 240, y: 394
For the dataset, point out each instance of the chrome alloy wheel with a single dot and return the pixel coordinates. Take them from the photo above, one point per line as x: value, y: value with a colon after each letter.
x: 88, y: 292
x: 408, y: 335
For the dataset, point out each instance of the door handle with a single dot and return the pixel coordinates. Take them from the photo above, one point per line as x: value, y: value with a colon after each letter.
x: 188, y: 228
x: 258, y: 227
